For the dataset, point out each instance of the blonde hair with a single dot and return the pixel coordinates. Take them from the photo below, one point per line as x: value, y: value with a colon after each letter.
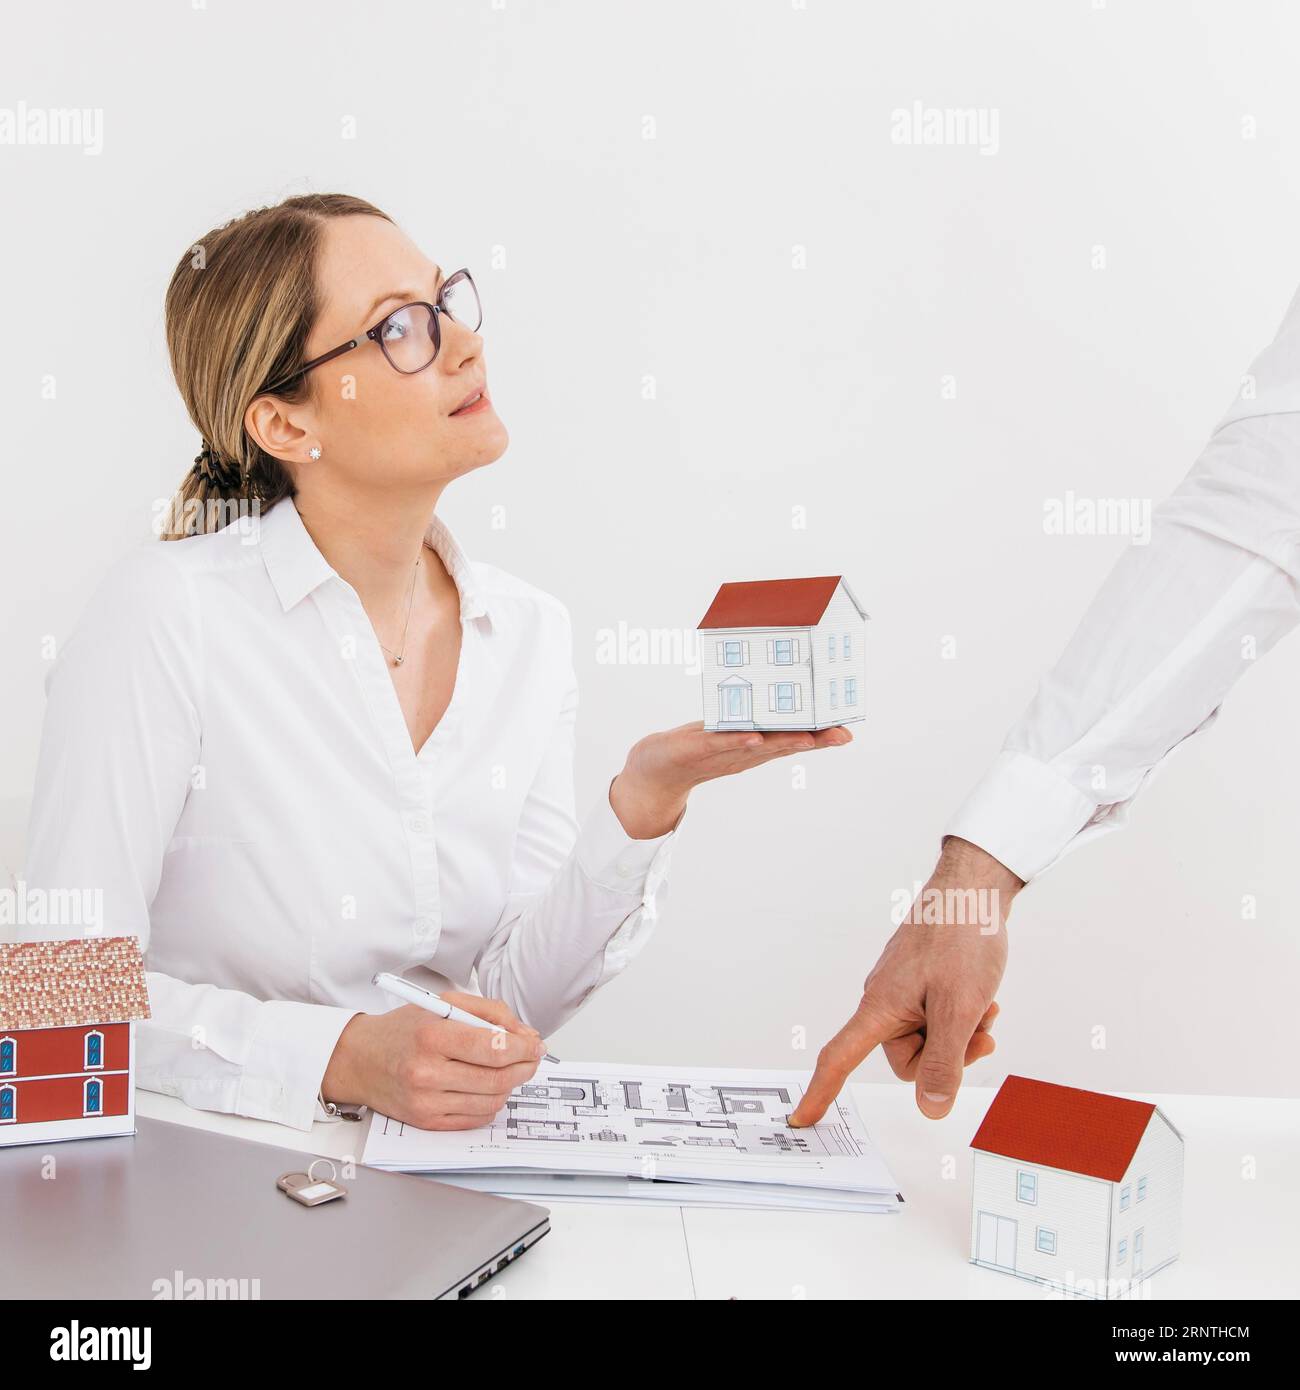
x: 239, y: 308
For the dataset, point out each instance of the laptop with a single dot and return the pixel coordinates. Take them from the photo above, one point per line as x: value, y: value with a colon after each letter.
x: 178, y: 1212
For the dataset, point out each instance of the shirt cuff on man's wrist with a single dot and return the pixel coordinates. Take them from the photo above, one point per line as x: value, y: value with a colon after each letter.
x: 1023, y: 812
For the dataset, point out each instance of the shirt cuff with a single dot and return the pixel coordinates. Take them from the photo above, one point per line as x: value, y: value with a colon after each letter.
x: 609, y: 856
x: 1024, y: 813
x: 287, y: 1060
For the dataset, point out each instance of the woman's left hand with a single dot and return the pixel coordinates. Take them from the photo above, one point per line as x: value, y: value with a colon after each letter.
x: 649, y: 795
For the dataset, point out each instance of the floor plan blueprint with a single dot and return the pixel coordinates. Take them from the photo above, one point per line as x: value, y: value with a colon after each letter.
x: 683, y: 1124
x: 657, y: 1114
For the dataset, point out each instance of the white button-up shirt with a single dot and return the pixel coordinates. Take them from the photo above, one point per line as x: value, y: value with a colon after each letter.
x: 1175, y: 624
x: 225, y: 757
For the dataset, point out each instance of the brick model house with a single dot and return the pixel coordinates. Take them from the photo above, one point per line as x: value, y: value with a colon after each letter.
x: 67, y: 1037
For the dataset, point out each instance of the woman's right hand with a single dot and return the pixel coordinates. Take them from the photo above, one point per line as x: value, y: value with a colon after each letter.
x: 432, y: 1072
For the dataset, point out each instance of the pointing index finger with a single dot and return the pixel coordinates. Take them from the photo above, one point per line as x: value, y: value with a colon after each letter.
x: 836, y: 1060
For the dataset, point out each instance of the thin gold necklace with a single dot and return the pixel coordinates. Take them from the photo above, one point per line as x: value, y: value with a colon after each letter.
x: 398, y: 656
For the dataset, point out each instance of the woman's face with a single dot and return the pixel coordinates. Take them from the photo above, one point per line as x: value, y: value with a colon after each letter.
x: 375, y: 426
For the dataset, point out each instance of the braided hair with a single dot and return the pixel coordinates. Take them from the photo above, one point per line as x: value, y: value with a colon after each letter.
x: 239, y: 311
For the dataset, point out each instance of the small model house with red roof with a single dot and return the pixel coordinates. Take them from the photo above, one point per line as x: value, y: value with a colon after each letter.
x: 1075, y: 1189
x: 67, y: 1037
x: 784, y: 654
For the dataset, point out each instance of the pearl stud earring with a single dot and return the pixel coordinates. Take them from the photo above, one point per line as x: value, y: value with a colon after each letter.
x: 313, y: 453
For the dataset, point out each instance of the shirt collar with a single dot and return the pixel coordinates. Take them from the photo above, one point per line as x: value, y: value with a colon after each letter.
x: 297, y: 567
x: 473, y: 602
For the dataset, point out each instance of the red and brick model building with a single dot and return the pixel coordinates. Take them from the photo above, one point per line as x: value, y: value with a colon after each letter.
x: 67, y: 1037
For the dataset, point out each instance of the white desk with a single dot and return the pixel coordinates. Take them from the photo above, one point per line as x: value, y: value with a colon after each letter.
x: 1239, y: 1230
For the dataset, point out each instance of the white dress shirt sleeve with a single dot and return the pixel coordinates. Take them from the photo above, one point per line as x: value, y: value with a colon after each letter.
x: 121, y: 743
x: 583, y: 899
x: 1174, y: 626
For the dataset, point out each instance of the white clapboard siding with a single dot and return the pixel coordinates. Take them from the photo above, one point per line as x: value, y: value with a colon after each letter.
x: 1159, y: 1159
x: 840, y: 619
x: 1074, y: 1206
x: 760, y: 672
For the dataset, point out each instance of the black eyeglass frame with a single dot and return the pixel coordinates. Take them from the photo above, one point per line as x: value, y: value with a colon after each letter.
x: 373, y: 334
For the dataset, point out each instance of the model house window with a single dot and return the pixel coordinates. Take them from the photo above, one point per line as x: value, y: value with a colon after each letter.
x: 94, y: 1051
x: 8, y: 1105
x: 1122, y: 1253
x: 850, y: 690
x: 834, y: 700
x: 783, y: 651
x: 733, y: 653
x: 1045, y: 1240
x: 1125, y: 1193
x: 1026, y: 1186
x: 785, y: 697
x: 848, y: 647
x: 1142, y: 1182
x: 8, y: 1056
x: 94, y: 1098
x: 830, y: 647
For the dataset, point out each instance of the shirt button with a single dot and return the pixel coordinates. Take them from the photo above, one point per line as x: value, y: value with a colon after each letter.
x: 623, y: 870
x: 424, y: 926
x: 418, y: 822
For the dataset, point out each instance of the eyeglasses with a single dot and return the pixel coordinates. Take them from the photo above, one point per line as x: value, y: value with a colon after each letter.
x: 410, y: 336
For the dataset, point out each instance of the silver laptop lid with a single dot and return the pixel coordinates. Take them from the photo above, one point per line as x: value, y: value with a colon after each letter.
x: 142, y: 1215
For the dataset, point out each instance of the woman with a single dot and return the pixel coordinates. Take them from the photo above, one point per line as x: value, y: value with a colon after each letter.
x: 319, y: 743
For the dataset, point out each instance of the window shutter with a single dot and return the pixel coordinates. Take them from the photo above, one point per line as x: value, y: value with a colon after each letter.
x: 798, y: 695
x: 794, y: 650
x: 771, y: 653
x: 744, y: 652
x: 722, y: 655
x: 771, y: 697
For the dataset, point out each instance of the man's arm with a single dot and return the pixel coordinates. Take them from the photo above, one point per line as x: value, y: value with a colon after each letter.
x: 1173, y: 627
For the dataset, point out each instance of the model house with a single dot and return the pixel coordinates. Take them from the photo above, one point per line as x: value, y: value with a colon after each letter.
x: 67, y: 1037
x: 1075, y: 1189
x: 783, y: 654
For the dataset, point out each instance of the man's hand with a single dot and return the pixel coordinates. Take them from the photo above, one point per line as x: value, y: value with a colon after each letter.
x: 929, y: 1001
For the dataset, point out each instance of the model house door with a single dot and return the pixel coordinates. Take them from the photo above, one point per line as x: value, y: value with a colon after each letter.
x: 1137, y: 1251
x: 995, y: 1242
x: 735, y: 704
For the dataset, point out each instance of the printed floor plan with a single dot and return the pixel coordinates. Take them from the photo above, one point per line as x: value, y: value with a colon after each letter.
x: 710, y: 1126
x: 574, y: 1109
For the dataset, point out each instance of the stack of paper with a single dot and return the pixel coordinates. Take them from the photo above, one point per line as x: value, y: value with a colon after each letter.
x: 683, y: 1135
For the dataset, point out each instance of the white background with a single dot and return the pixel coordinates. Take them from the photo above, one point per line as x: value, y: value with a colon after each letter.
x: 516, y: 132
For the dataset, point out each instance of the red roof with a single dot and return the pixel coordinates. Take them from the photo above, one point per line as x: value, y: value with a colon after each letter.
x: 72, y: 982
x: 771, y: 603
x: 1062, y: 1127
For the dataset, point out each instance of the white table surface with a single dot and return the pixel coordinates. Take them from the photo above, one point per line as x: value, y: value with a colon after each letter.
x: 1241, y: 1214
